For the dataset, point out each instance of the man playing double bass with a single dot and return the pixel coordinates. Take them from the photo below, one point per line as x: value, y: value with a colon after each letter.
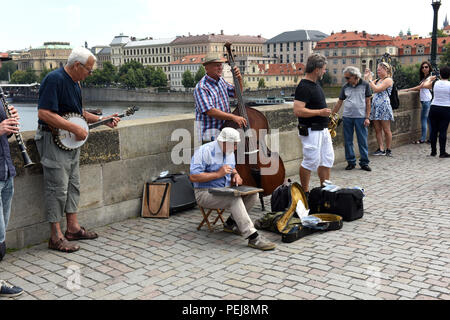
x: 212, y: 104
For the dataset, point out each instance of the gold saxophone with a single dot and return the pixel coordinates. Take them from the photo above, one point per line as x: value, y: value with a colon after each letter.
x: 335, y: 121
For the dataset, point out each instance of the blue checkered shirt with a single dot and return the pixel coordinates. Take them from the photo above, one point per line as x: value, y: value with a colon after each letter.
x: 209, y: 94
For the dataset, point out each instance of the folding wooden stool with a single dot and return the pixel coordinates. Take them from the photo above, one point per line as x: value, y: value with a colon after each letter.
x: 206, y: 217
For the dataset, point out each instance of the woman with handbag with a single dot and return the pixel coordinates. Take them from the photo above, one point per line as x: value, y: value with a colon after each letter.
x: 381, y: 113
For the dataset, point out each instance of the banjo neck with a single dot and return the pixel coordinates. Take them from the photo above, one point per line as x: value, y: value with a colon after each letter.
x: 130, y: 111
x: 104, y: 121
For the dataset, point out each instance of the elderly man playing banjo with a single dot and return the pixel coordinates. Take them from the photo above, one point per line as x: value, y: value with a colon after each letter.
x: 59, y: 94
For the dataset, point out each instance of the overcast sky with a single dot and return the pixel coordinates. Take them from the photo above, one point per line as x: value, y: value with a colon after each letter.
x: 33, y: 22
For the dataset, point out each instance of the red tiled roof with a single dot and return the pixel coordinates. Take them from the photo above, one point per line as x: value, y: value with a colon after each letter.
x: 191, y: 59
x: 354, y: 39
x: 276, y: 69
x: 219, y: 38
x: 415, y: 43
x: 447, y: 27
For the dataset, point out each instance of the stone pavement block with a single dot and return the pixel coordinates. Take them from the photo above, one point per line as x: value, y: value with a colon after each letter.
x: 384, y: 255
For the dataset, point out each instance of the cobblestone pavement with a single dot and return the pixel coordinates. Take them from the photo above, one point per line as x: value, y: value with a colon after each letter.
x: 398, y: 250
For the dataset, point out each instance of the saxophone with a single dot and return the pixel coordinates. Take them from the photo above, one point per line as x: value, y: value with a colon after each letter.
x: 334, y: 122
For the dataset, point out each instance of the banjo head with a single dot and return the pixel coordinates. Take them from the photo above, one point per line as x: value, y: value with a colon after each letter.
x: 65, y: 139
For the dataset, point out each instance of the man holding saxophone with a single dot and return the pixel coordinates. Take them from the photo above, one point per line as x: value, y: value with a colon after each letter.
x: 311, y: 109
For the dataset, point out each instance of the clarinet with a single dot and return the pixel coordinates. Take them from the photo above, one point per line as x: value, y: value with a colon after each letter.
x: 26, y: 158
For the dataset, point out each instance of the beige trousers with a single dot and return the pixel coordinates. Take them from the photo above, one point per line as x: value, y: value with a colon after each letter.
x: 239, y: 207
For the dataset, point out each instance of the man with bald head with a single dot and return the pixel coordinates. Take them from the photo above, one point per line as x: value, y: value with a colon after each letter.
x: 60, y: 93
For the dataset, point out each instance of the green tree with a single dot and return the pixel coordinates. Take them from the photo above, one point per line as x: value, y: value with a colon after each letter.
x: 109, y: 72
x: 261, y: 83
x: 24, y: 77
x: 149, y: 75
x: 440, y: 33
x: 326, y: 79
x: 445, y: 57
x: 140, y: 78
x: 130, y: 65
x: 188, y: 80
x: 44, y: 73
x: 200, y: 74
x: 7, y: 69
x: 407, y: 76
x: 159, y: 78
x: 128, y: 80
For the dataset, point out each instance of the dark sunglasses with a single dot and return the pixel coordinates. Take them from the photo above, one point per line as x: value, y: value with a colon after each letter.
x: 347, y: 78
x: 425, y: 67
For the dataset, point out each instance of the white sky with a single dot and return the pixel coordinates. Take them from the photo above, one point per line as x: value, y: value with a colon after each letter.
x: 33, y: 22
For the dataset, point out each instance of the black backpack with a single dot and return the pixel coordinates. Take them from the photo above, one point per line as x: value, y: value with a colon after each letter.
x: 281, y: 197
x: 395, y: 101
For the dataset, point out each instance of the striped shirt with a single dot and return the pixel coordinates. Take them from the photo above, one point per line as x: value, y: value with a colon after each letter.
x: 209, y: 94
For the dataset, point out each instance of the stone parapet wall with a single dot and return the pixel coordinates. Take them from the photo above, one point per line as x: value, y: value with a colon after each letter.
x: 116, y: 163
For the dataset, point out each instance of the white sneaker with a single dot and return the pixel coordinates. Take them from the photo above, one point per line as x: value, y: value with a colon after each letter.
x: 261, y: 243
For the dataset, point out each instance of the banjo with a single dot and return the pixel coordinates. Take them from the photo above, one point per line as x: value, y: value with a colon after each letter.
x: 66, y: 140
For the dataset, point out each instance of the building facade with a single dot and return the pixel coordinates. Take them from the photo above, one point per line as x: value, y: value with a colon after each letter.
x: 117, y: 44
x: 149, y: 52
x: 178, y: 67
x: 293, y: 46
x: 276, y: 75
x: 207, y: 43
x: 51, y: 55
x: 104, y: 55
x: 415, y: 51
x: 358, y: 49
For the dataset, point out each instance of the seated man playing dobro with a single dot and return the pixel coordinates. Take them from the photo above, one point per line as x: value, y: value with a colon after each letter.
x: 213, y: 166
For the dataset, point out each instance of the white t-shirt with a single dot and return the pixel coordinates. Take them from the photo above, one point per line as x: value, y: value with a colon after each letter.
x: 425, y: 95
x: 441, y: 91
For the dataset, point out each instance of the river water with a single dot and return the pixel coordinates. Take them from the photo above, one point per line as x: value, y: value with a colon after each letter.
x: 28, y: 111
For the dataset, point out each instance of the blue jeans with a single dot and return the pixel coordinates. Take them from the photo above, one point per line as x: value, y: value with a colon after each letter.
x: 6, y: 194
x: 424, y: 118
x: 350, y: 125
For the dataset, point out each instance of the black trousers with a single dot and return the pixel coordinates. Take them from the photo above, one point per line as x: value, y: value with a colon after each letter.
x: 439, y: 119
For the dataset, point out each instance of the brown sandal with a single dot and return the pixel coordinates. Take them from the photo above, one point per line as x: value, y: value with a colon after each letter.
x: 62, y: 245
x: 82, y: 234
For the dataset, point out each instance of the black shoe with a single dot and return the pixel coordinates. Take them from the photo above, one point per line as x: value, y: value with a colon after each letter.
x: 350, y: 167
x: 444, y: 155
x: 366, y: 168
x: 379, y: 153
x: 433, y: 154
x: 388, y: 153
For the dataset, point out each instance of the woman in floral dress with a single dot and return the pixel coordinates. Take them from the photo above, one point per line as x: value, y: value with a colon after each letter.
x: 381, y: 113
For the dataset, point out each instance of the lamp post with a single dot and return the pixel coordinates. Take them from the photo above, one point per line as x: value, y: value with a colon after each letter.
x: 435, y: 4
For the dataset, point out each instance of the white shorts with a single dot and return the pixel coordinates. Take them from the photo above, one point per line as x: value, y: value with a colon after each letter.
x: 317, y: 150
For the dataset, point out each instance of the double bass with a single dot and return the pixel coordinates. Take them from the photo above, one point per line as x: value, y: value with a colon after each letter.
x: 256, y: 164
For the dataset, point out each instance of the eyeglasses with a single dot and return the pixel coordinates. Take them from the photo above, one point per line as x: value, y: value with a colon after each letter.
x: 425, y: 67
x: 347, y: 78
x: 88, y: 70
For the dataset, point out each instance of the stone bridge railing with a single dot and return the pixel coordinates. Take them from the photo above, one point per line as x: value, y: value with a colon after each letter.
x: 116, y: 163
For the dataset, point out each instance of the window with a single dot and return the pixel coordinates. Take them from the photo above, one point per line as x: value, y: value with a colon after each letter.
x: 268, y: 48
x: 281, y: 47
x: 344, y: 61
x: 353, y: 51
x: 335, y: 61
x: 344, y: 53
x: 353, y: 61
x: 335, y: 53
x: 334, y: 71
x: 327, y: 53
